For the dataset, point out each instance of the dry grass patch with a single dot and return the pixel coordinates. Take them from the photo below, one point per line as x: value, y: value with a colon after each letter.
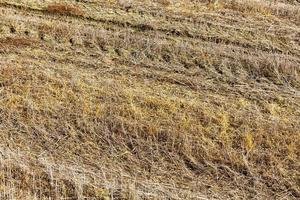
x: 201, y: 106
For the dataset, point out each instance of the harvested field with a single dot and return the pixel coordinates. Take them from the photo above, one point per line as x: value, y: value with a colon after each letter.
x: 164, y: 99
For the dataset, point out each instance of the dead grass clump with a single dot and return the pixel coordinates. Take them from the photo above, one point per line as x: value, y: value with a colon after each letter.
x: 64, y: 9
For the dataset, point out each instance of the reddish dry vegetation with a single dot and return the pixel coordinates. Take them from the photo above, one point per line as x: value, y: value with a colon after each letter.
x: 15, y: 42
x: 64, y: 9
x: 11, y: 74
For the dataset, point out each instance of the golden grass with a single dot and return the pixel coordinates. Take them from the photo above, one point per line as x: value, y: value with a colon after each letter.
x: 96, y: 107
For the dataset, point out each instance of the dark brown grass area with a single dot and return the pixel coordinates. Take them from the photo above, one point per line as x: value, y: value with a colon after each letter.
x: 15, y: 41
x: 64, y: 9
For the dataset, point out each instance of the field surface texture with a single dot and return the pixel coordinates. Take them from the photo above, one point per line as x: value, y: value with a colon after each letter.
x: 149, y: 99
